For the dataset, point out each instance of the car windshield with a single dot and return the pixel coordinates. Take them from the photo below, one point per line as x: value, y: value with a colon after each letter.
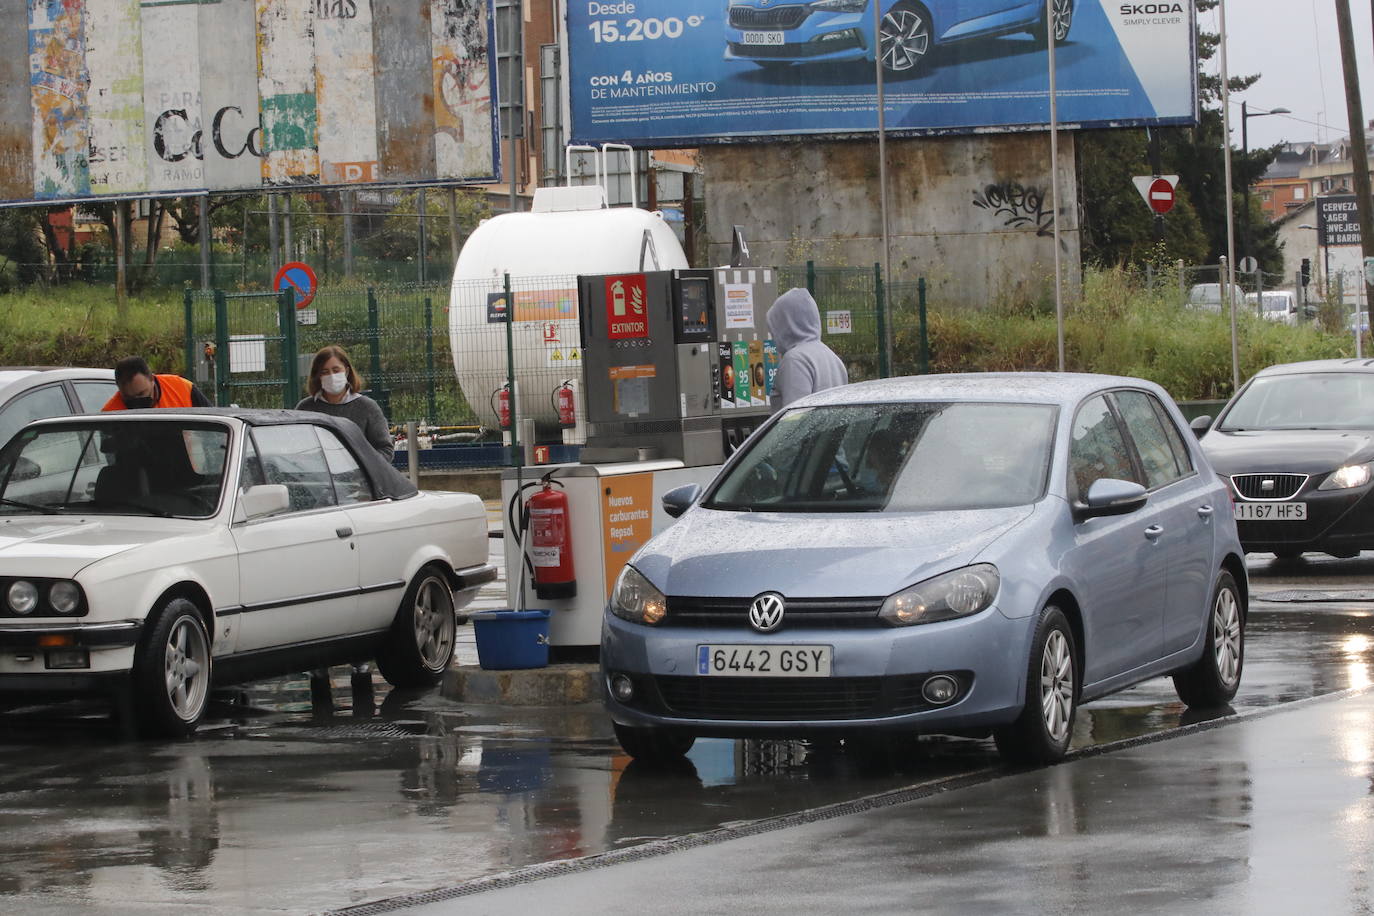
x: 905, y: 457
x: 159, y: 468
x: 1275, y: 303
x: 1317, y: 400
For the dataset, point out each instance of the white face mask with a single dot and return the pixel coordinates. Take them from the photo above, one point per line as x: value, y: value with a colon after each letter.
x: 334, y: 382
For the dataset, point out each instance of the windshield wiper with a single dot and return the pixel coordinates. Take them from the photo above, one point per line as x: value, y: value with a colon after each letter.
x: 46, y: 510
x: 131, y: 504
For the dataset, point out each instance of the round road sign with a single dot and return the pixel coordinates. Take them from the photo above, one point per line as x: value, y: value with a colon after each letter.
x: 1161, y: 196
x: 299, y: 277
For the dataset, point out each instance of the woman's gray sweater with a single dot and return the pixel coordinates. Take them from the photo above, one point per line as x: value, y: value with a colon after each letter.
x: 363, y: 411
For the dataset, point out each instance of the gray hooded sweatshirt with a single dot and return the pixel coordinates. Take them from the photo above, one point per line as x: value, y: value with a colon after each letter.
x: 807, y: 365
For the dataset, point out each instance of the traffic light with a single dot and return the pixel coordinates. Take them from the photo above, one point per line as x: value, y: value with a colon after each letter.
x: 1306, y: 271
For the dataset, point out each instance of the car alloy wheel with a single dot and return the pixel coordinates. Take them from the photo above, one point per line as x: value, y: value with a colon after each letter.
x: 434, y: 622
x: 1226, y: 636
x: 1063, y: 19
x: 904, y: 39
x: 1056, y: 686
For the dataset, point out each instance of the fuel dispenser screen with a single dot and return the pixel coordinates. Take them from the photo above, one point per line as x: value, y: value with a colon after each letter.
x: 696, y: 310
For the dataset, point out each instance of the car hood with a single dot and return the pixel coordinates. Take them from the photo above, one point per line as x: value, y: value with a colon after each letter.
x: 57, y: 546
x: 711, y: 553
x: 1293, y: 451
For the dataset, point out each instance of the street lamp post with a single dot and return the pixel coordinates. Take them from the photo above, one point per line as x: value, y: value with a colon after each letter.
x: 1245, y: 116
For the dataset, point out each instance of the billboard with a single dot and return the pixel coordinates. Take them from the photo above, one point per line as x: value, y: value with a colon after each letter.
x: 1338, y: 220
x: 135, y: 98
x: 662, y: 73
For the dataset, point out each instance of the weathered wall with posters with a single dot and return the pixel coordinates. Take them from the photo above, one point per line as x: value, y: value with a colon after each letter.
x: 973, y: 215
x: 143, y: 97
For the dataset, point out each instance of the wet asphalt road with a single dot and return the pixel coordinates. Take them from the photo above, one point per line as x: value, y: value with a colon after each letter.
x: 288, y: 803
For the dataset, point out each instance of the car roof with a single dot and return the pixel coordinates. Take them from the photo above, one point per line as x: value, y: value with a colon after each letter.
x: 11, y: 374
x: 1018, y: 387
x: 1318, y: 365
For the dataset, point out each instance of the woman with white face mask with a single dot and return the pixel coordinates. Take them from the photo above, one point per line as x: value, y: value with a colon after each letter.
x: 335, y: 388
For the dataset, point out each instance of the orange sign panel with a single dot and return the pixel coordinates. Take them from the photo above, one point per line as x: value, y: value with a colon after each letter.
x: 627, y: 513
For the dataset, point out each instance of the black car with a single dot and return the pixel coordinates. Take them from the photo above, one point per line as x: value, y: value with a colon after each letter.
x: 1297, y: 445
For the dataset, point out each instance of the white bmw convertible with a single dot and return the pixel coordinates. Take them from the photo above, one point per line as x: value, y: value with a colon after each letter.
x: 149, y: 555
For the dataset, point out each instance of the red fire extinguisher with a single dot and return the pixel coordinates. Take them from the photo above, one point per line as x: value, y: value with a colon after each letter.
x: 550, y: 551
x: 565, y: 404
x: 501, y: 405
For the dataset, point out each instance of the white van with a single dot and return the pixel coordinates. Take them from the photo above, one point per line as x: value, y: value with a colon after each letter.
x: 1275, y: 305
x: 1207, y: 297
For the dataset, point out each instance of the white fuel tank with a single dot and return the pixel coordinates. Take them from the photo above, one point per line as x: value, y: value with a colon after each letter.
x: 569, y: 231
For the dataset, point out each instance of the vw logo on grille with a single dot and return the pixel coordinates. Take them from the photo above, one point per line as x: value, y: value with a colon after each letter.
x: 765, y: 614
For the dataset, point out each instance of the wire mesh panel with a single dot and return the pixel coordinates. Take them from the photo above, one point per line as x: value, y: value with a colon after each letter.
x: 848, y: 301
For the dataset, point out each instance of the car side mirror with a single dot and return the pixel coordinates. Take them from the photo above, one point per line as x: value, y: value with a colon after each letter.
x: 1200, y: 425
x: 1109, y: 496
x: 264, y: 499
x: 679, y: 499
x: 25, y: 469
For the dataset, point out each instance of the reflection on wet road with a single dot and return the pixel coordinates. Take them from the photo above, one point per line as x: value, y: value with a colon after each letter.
x: 291, y: 803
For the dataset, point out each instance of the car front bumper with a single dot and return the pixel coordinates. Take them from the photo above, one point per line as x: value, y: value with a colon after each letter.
x: 1337, y: 520
x: 876, y: 678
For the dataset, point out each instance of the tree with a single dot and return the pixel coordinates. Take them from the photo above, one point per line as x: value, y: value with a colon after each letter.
x: 1117, y: 225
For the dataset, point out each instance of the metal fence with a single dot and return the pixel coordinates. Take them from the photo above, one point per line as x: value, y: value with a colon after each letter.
x: 440, y: 355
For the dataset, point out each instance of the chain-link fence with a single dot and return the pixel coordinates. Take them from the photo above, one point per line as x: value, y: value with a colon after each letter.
x: 443, y: 356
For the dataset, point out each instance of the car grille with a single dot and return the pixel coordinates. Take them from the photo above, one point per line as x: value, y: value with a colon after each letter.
x: 1283, y: 486
x: 781, y: 17
x: 786, y: 699
x: 823, y: 613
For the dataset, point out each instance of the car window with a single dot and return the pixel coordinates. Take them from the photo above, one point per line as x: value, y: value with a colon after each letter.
x: 1177, y: 444
x: 124, y: 468
x: 48, y: 401
x: 350, y: 483
x: 900, y: 457
x: 1157, y: 455
x: 1315, y: 400
x: 1098, y: 450
x: 251, y: 473
x: 292, y: 455
x: 93, y: 395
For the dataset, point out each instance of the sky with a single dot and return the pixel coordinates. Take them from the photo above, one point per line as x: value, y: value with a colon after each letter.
x: 1294, y: 47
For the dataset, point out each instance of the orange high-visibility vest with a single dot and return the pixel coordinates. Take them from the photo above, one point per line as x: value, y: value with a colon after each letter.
x: 176, y: 392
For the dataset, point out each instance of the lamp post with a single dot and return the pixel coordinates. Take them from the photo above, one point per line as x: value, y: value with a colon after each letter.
x: 1245, y: 116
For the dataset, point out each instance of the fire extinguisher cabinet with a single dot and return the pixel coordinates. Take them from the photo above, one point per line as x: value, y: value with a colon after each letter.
x: 509, y: 639
x: 612, y: 510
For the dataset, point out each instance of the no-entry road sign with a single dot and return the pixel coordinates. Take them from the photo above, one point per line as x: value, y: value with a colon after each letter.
x: 300, y: 278
x: 1157, y: 190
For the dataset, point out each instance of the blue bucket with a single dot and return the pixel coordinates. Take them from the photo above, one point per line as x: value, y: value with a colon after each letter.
x: 511, y: 639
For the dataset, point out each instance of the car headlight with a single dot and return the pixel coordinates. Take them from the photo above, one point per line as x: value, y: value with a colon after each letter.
x: 840, y: 6
x: 64, y: 596
x: 958, y: 593
x: 1352, y: 475
x: 22, y: 596
x: 635, y: 599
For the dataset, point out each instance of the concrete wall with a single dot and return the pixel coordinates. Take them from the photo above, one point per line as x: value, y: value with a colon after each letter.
x: 970, y: 214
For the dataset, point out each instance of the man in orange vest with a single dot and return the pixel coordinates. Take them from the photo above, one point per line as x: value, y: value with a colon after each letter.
x: 139, y: 387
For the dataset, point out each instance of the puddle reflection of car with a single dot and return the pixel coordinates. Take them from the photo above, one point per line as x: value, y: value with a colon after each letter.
x: 776, y: 34
x: 148, y: 555
x: 1297, y: 445
x: 1025, y: 542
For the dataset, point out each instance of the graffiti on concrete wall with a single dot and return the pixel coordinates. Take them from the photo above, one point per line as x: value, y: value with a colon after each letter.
x: 1017, y: 205
x: 148, y: 97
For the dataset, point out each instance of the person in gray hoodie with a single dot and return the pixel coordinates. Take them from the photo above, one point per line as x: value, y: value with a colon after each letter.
x: 807, y: 365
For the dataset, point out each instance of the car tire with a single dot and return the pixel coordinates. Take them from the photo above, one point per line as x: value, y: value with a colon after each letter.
x: 1214, y: 678
x: 1063, y: 21
x: 172, y: 670
x: 1041, y: 733
x: 419, y: 648
x: 905, y: 29
x: 653, y: 745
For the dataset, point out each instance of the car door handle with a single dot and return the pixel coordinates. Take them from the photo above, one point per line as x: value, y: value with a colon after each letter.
x: 1154, y: 531
x: 1205, y: 511
x: 344, y: 532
